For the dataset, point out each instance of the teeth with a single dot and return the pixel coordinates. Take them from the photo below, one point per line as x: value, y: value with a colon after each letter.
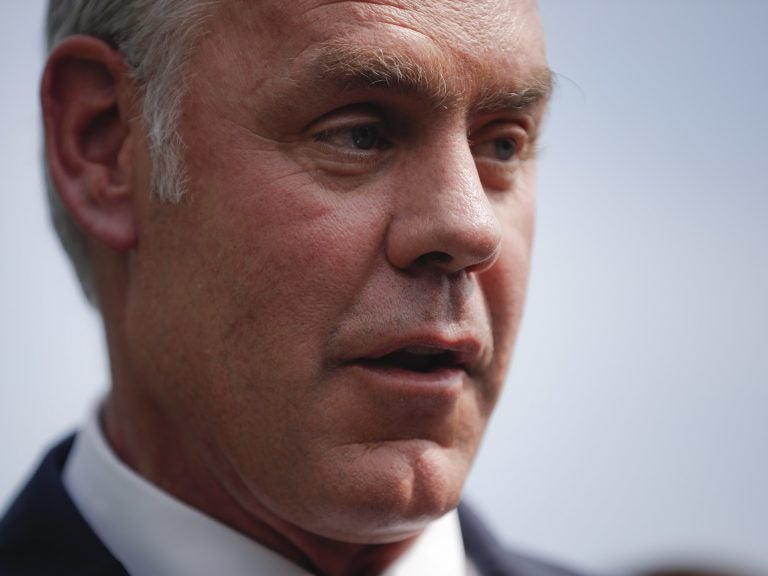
x: 423, y: 350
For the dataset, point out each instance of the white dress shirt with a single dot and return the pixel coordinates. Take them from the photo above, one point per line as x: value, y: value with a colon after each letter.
x: 153, y: 534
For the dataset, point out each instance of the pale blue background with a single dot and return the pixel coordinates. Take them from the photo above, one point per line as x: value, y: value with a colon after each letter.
x: 634, y: 429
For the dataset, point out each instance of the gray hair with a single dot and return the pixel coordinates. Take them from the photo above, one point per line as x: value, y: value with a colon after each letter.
x: 155, y: 36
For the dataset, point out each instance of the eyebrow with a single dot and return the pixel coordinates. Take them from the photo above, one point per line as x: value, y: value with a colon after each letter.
x: 354, y: 67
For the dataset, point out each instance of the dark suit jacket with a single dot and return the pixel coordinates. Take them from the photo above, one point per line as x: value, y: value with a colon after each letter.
x: 43, y: 534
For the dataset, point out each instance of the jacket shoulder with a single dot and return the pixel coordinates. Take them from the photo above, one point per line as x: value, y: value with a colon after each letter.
x: 43, y: 533
x: 493, y: 559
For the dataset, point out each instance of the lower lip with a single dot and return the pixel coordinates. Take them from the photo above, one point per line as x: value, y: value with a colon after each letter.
x: 444, y: 384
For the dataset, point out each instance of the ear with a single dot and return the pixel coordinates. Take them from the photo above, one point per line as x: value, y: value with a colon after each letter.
x: 86, y: 97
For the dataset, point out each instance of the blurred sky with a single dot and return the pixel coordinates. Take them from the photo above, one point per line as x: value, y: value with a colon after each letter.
x: 633, y: 430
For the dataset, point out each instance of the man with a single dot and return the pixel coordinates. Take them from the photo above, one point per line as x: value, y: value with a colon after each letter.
x: 307, y: 226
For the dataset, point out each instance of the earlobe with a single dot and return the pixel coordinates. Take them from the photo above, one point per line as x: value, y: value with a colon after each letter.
x: 86, y: 114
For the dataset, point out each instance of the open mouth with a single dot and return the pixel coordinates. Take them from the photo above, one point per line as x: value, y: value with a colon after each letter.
x: 420, y: 359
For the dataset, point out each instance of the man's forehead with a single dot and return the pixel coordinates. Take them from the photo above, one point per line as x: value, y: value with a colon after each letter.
x: 471, y: 24
x: 441, y: 49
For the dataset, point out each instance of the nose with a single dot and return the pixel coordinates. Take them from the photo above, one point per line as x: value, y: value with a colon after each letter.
x: 444, y: 219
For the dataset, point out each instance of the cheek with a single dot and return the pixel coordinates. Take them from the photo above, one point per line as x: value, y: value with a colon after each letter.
x: 278, y: 262
x: 505, y: 284
x: 243, y: 260
x: 301, y: 259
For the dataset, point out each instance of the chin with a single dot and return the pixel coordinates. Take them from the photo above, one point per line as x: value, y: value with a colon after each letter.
x: 391, y: 491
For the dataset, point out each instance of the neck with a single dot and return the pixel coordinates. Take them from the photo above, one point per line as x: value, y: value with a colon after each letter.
x: 171, y: 467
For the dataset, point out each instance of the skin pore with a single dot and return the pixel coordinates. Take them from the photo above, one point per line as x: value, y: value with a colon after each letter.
x: 360, y: 186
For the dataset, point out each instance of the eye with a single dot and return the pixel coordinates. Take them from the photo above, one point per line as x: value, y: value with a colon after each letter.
x: 506, y: 148
x: 358, y: 137
x: 366, y: 137
x: 500, y: 149
x: 351, y: 142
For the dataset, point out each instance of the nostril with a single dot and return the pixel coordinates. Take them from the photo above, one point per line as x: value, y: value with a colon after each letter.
x: 434, y: 258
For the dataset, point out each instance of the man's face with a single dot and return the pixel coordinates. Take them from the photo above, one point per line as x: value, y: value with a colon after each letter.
x: 328, y: 315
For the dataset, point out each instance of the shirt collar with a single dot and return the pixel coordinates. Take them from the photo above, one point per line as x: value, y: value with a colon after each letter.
x: 152, y: 533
